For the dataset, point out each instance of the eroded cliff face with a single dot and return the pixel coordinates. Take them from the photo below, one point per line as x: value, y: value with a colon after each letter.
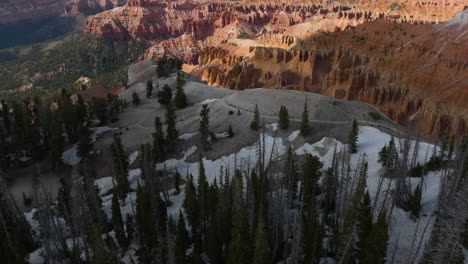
x: 92, y: 6
x: 392, y: 66
x: 398, y: 55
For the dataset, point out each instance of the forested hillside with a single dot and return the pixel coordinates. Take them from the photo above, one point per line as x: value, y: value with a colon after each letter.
x: 57, y: 63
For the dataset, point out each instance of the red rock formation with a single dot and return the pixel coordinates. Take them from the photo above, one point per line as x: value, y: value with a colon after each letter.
x: 387, y: 53
x: 392, y: 66
x: 92, y: 6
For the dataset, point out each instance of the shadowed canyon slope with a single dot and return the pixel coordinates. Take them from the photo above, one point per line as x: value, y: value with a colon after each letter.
x: 409, y: 58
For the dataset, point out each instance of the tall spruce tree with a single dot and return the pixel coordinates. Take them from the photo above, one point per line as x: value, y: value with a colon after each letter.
x: 239, y: 251
x: 56, y: 142
x: 118, y: 224
x: 283, y: 117
x: 353, y: 137
x: 171, y: 130
x: 255, y: 124
x: 182, y: 241
x: 135, y: 99
x: 165, y: 95
x: 158, y: 140
x: 204, y: 124
x: 262, y: 253
x: 149, y: 88
x: 85, y: 144
x: 180, y: 98
x: 120, y: 167
x: 304, y: 126
x: 191, y: 204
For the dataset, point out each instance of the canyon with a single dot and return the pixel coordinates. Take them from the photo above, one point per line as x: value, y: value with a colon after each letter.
x: 408, y: 58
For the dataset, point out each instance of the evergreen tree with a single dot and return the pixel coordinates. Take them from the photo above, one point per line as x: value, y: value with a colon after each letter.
x: 312, y: 234
x: 118, y: 223
x: 230, y: 132
x: 255, y: 124
x: 283, y: 118
x: 130, y: 227
x: 171, y: 129
x: 149, y: 88
x: 120, y: 167
x: 190, y: 204
x: 158, y: 140
x: 304, y: 127
x: 182, y: 241
x: 145, y: 221
x: 85, y: 144
x: 101, y: 254
x: 180, y: 79
x: 353, y: 137
x: 202, y: 196
x: 311, y: 171
x: 165, y: 95
x: 239, y: 251
x: 374, y: 248
x: 56, y: 142
x: 262, y: 253
x: 180, y: 99
x: 177, y: 182
x: 204, y: 124
x: 364, y: 225
x: 135, y: 99
x: 16, y: 239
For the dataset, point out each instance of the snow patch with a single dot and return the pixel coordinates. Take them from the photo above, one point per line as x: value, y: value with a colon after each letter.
x: 132, y: 157
x: 273, y: 126
x: 187, y: 136
x: 207, y: 101
x: 293, y: 135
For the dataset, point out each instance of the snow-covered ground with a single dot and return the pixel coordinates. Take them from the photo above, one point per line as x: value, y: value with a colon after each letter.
x: 402, y: 226
x: 245, y: 158
x: 70, y: 156
x: 371, y: 140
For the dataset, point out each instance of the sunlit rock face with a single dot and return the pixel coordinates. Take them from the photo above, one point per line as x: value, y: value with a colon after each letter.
x: 409, y: 58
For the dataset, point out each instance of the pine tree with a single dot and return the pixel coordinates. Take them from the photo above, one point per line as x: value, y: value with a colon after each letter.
x: 202, y: 196
x: 56, y: 142
x: 180, y: 79
x: 312, y: 234
x: 255, y: 124
x: 165, y: 95
x: 190, y: 204
x: 135, y: 99
x: 130, y: 227
x: 180, y: 97
x: 283, y: 118
x: 177, y: 182
x: 304, y: 127
x: 364, y: 225
x: 182, y: 241
x: 85, y: 144
x: 311, y: 175
x: 158, y: 140
x: 230, y: 132
x: 374, y: 249
x: 120, y: 167
x: 145, y: 221
x: 171, y: 129
x: 239, y: 251
x: 204, y: 124
x: 262, y: 253
x: 149, y: 88
x: 118, y: 223
x: 353, y: 137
